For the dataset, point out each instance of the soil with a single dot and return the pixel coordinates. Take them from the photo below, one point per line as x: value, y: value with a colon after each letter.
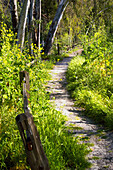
x: 101, y: 156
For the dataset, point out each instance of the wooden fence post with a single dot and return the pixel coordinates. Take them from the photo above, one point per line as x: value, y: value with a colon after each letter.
x: 28, y: 131
x: 33, y: 147
x: 24, y: 78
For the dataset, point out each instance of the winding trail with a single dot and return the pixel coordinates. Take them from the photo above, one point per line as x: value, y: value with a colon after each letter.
x: 101, y: 156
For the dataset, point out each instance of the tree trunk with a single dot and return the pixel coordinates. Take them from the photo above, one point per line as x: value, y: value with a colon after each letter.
x: 22, y: 23
x: 30, y: 25
x: 39, y: 25
x: 53, y: 28
x: 14, y: 14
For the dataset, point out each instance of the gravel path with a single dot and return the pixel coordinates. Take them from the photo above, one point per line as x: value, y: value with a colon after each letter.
x: 101, y: 156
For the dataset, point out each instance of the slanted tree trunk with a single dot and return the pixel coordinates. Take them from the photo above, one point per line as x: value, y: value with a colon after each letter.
x: 54, y: 25
x: 22, y: 23
x: 14, y: 14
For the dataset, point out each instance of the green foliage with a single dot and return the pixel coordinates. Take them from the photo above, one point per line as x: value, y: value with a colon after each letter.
x: 90, y: 78
x: 5, y: 13
x: 61, y: 149
x: 53, y: 57
x: 95, y: 105
x: 12, y: 62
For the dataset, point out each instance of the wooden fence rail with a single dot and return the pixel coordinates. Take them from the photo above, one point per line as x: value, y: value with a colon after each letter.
x: 28, y: 131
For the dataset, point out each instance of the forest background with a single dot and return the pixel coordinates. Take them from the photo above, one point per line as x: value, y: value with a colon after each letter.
x: 54, y: 27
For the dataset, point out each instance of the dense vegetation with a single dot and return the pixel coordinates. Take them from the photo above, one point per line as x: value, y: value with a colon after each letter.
x: 61, y: 149
x: 90, y: 78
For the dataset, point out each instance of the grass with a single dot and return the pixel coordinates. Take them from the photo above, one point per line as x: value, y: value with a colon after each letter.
x: 91, y: 88
x: 62, y: 150
x: 76, y: 48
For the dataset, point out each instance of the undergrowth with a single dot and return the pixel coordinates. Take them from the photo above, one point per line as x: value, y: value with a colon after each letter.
x: 61, y: 149
x: 90, y: 78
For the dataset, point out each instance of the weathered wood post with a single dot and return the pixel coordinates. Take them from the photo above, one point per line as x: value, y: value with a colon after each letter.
x: 28, y: 131
x: 24, y: 81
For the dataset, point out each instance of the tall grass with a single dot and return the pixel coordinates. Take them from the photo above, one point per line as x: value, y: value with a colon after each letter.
x: 90, y: 78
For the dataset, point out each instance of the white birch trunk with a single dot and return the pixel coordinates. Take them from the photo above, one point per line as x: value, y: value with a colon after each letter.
x: 22, y: 23
x: 14, y: 14
x: 53, y: 28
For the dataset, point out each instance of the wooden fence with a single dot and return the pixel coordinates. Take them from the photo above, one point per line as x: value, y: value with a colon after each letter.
x: 28, y: 131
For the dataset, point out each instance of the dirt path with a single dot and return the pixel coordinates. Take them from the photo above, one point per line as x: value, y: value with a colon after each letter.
x: 102, y: 152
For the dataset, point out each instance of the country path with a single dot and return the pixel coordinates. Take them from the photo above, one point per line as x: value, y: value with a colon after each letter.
x: 101, y: 156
